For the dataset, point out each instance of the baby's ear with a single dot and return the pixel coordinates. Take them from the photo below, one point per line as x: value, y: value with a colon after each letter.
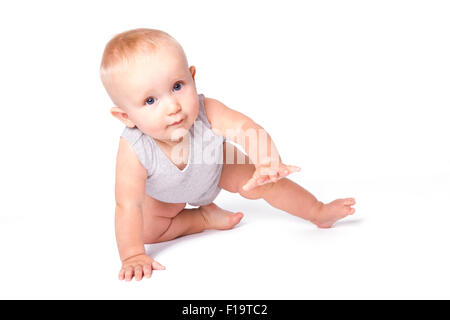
x: 122, y: 116
x: 192, y: 70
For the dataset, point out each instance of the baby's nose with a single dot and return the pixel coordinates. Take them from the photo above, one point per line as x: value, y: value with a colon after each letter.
x: 173, y: 107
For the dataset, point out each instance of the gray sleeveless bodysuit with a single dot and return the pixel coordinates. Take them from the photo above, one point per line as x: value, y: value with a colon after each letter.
x: 197, y: 183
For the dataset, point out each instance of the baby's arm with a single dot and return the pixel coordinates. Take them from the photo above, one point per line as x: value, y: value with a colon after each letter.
x: 260, y: 148
x: 130, y: 195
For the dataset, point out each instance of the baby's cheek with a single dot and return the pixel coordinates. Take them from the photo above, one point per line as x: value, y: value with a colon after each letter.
x: 149, y: 123
x: 151, y: 130
x: 191, y: 106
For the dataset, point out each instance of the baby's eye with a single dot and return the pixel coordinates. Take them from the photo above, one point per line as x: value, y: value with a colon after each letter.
x: 150, y: 101
x: 177, y: 86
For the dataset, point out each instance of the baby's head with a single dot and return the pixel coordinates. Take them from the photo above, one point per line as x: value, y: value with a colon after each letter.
x: 146, y: 75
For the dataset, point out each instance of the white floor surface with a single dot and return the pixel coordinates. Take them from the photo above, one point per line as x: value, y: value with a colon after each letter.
x: 395, y: 246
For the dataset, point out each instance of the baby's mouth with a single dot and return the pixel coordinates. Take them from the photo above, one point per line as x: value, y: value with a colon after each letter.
x: 176, y: 123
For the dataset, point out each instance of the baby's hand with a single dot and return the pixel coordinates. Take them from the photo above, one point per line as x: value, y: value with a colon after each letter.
x: 266, y: 174
x: 137, y: 266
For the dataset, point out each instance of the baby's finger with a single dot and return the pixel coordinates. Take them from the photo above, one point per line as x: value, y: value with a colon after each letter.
x: 268, y: 171
x: 268, y: 179
x: 263, y: 180
x: 293, y: 168
x: 147, y: 271
x: 157, y: 266
x: 284, y: 172
x: 138, y: 273
x: 128, y: 273
x: 122, y: 274
x: 275, y: 177
x: 250, y: 184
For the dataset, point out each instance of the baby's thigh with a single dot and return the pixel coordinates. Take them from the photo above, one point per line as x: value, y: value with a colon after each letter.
x: 237, y: 169
x: 153, y: 207
x: 157, y: 217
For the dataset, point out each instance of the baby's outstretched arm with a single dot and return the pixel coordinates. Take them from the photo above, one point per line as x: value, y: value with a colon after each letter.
x: 283, y: 193
x: 255, y: 140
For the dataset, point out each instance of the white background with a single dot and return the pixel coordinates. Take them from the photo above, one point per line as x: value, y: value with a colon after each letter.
x: 354, y: 92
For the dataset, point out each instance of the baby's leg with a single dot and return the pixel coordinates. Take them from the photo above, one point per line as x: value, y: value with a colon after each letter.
x: 290, y: 197
x: 166, y: 221
x: 285, y: 194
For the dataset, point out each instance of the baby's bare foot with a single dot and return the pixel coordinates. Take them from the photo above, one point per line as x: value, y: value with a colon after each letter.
x: 217, y: 218
x: 327, y: 214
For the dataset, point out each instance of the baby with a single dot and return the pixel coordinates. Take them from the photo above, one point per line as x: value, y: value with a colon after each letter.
x: 175, y: 149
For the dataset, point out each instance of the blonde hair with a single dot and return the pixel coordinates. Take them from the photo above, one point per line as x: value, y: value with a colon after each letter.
x: 125, y: 46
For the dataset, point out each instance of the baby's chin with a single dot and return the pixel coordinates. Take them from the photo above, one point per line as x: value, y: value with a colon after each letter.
x: 177, y: 134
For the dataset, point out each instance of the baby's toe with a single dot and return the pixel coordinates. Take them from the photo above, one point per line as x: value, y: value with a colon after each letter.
x: 345, y: 210
x: 348, y: 201
x: 235, y: 218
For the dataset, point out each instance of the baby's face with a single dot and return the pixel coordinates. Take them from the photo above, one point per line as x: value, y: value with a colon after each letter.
x: 156, y: 91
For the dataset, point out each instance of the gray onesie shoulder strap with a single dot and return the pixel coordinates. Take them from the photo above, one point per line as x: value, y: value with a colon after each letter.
x: 201, y: 111
x: 142, y: 146
x: 132, y: 135
x: 203, y: 118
